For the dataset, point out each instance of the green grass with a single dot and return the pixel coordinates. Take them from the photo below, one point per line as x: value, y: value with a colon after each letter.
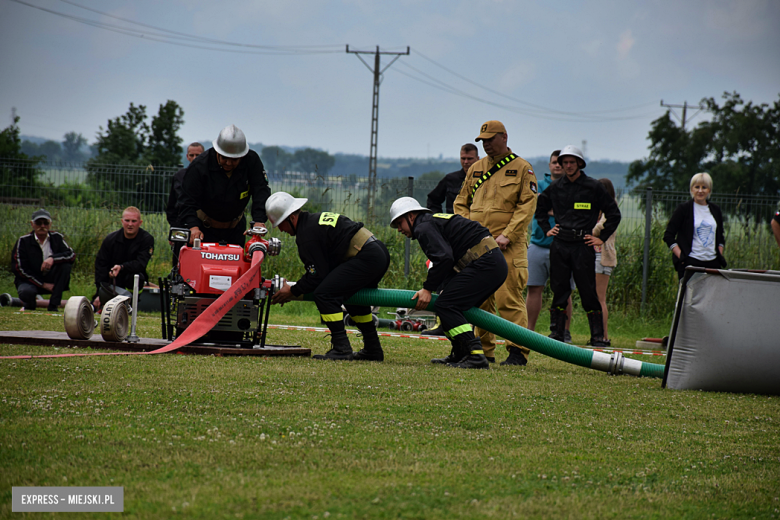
x: 207, y: 437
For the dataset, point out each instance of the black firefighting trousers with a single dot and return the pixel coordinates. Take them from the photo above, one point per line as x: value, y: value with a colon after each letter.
x: 363, y: 271
x: 469, y: 288
x: 578, y: 259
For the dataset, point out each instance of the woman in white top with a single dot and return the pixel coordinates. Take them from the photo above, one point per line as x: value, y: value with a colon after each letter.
x: 695, y: 231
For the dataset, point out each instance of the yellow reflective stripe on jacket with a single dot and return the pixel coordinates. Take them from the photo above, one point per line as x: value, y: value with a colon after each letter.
x: 443, y: 215
x: 333, y: 317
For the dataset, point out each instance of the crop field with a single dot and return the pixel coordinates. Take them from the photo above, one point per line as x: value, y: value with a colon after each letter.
x: 278, y: 438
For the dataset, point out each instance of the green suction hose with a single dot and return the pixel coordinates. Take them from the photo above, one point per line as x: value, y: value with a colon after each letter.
x: 614, y: 363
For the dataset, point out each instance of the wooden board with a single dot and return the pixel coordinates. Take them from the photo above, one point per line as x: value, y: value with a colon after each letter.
x: 61, y: 339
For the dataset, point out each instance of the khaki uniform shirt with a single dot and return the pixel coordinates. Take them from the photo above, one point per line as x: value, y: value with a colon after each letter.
x: 505, y: 203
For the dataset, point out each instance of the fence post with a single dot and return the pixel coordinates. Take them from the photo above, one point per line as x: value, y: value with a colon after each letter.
x: 648, y: 225
x: 408, y: 245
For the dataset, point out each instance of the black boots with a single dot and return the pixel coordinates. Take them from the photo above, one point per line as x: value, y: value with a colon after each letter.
x: 558, y: 324
x: 473, y: 358
x: 515, y: 358
x: 596, y: 322
x: 372, y: 349
x: 340, y: 347
x: 453, y: 357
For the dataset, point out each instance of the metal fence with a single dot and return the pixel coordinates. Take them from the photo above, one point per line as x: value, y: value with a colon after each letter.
x: 90, y: 199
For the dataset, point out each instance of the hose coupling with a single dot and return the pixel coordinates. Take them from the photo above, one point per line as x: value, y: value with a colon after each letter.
x: 616, y: 364
x: 274, y: 246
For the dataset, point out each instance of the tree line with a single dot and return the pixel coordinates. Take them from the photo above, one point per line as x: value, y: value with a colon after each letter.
x: 739, y: 147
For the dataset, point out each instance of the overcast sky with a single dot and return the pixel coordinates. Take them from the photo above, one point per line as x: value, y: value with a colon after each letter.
x: 566, y: 71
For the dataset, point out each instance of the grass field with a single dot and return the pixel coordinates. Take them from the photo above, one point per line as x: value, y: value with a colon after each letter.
x: 208, y: 437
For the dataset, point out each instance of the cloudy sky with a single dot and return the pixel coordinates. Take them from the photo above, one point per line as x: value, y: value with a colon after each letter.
x: 555, y: 72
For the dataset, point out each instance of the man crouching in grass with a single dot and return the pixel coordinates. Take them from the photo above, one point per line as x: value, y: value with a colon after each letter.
x: 341, y: 257
x: 467, y: 268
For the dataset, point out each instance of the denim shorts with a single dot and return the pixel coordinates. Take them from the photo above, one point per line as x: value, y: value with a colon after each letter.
x: 602, y: 269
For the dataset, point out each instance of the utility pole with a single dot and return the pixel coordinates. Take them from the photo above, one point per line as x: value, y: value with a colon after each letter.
x: 377, y: 72
x: 684, y: 106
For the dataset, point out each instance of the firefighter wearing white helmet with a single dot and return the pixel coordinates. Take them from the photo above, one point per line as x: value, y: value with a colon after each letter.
x: 218, y: 186
x: 340, y: 258
x: 500, y: 193
x: 577, y: 201
x: 467, y: 268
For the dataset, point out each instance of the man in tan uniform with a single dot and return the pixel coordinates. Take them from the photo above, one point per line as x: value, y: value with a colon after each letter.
x: 500, y: 193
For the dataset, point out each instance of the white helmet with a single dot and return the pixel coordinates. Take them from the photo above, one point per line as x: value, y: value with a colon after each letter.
x: 231, y: 142
x: 403, y: 206
x: 574, y: 152
x: 281, y: 205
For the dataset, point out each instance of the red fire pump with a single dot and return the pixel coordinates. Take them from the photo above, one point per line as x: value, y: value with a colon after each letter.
x: 203, y: 273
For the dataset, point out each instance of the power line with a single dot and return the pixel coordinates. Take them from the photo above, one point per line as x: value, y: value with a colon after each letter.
x: 523, y: 111
x: 173, y: 35
x: 532, y: 105
x: 685, y: 107
x: 377, y: 72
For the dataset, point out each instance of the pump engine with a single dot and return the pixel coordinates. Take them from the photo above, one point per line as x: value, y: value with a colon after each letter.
x: 203, y: 273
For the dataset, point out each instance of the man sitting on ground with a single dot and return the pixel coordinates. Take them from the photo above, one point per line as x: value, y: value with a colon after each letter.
x: 42, y: 262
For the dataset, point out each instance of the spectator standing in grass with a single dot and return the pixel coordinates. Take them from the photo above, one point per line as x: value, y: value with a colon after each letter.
x: 500, y: 193
x: 446, y: 192
x: 171, y: 210
x: 42, y: 262
x: 340, y: 257
x: 694, y: 233
x: 539, y: 257
x: 123, y: 254
x: 606, y: 261
x: 467, y: 268
x: 577, y: 201
x: 776, y: 227
x: 448, y: 188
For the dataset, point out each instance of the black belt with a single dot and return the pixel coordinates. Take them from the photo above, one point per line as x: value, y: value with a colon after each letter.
x: 572, y: 235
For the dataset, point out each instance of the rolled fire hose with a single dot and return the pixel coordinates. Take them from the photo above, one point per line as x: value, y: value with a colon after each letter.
x: 79, y: 318
x: 199, y: 326
x: 614, y: 363
x: 114, y: 319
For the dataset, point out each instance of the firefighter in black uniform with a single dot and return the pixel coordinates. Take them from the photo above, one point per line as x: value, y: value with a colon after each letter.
x: 467, y: 268
x: 217, y: 187
x: 576, y: 201
x: 340, y: 257
x: 448, y: 188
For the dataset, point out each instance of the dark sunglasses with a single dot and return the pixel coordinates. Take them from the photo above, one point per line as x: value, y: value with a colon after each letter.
x: 42, y: 222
